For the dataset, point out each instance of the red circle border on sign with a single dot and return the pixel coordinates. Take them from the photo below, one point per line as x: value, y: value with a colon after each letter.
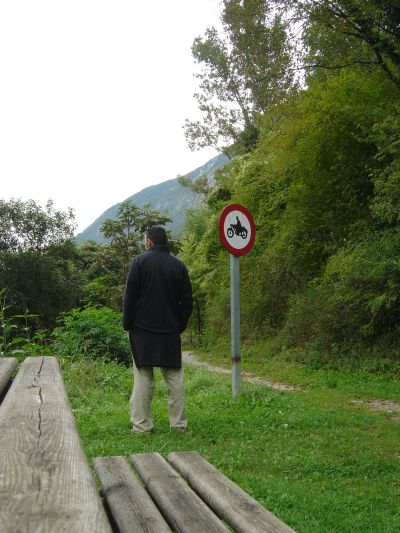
x: 225, y: 212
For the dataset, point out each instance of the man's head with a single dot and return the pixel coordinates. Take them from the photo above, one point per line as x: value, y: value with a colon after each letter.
x: 155, y: 235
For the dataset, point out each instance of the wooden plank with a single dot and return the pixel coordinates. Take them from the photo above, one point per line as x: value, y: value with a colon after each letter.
x: 227, y: 499
x: 131, y: 507
x: 182, y: 508
x: 45, y: 481
x: 7, y: 367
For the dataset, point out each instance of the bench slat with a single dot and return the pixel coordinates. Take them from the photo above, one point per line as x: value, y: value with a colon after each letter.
x: 130, y: 505
x: 227, y: 499
x: 7, y: 367
x: 182, y: 508
x: 45, y: 481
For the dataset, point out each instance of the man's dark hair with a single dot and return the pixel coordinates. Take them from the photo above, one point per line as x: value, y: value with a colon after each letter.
x: 157, y: 235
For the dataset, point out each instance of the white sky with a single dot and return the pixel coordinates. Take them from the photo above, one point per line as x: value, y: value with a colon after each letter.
x: 93, y: 96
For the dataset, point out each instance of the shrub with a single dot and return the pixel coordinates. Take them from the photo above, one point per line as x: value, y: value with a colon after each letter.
x: 17, y: 338
x: 94, y: 333
x: 354, y: 307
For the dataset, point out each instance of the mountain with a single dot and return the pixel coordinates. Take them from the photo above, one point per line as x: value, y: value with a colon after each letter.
x: 167, y: 197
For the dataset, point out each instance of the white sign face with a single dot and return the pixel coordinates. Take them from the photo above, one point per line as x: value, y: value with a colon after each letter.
x: 237, y: 229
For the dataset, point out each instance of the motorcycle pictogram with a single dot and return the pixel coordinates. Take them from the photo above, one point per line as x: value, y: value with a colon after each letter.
x: 237, y: 229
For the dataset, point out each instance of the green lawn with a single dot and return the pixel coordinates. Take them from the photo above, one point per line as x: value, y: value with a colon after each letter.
x: 320, y: 463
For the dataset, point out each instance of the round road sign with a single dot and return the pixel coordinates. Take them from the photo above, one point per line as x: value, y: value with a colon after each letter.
x: 236, y: 229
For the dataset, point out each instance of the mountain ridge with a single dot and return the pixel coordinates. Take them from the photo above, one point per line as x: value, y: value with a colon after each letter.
x: 167, y: 197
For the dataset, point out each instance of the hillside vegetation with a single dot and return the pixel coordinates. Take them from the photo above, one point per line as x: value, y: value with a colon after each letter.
x: 321, y: 177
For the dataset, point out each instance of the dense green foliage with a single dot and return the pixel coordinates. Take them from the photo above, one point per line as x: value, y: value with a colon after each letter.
x: 26, y: 226
x: 322, y: 183
x: 44, y: 274
x: 17, y: 339
x: 37, y: 260
x: 340, y: 33
x: 94, y: 333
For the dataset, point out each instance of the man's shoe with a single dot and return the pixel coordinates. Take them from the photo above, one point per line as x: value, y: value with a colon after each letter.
x: 142, y: 431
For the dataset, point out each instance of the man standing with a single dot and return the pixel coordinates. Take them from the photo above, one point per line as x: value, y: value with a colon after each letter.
x: 157, y: 307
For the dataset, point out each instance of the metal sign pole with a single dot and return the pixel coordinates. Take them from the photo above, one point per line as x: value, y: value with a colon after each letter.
x: 235, y: 324
x: 237, y: 232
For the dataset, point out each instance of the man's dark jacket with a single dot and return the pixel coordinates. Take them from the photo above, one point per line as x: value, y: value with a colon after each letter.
x: 158, y: 293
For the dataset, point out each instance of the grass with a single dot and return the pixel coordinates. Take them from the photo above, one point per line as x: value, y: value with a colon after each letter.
x: 318, y: 462
x: 349, y: 383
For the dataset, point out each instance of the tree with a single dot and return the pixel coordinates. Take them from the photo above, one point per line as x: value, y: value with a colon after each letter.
x: 126, y: 232
x: 244, y: 73
x: 100, y: 268
x: 342, y: 33
x: 27, y: 227
x: 199, y: 185
x: 45, y: 284
x: 108, y: 263
x: 37, y: 259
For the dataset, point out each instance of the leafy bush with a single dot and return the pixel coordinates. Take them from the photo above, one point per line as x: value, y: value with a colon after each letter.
x: 354, y: 306
x: 47, y: 284
x: 94, y: 333
x: 16, y: 333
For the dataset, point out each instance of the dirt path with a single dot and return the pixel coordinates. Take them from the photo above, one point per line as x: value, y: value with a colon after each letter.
x: 388, y: 406
x: 190, y: 357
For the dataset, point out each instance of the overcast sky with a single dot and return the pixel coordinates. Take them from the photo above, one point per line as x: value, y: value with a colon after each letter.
x: 93, y: 96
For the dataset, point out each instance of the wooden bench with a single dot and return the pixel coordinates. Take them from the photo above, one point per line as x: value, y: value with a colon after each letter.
x: 186, y: 495
x: 7, y: 367
x: 46, y: 484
